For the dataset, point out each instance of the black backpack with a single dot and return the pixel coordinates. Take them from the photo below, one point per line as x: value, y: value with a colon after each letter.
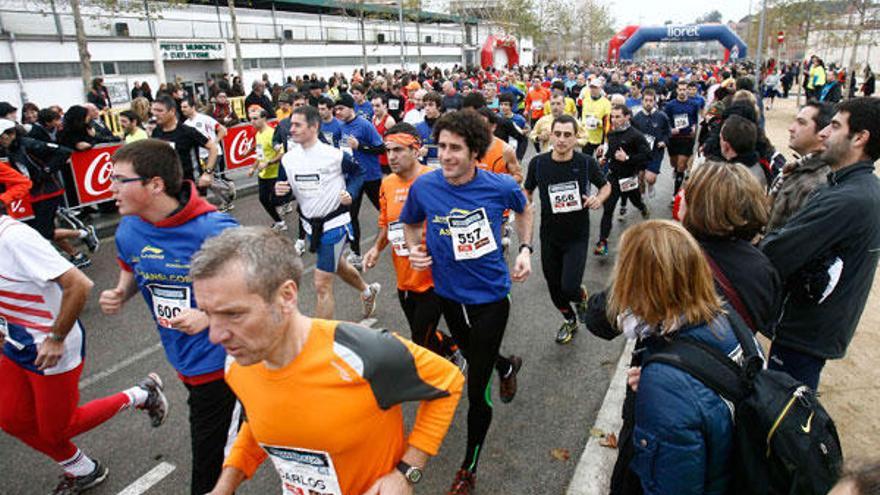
x: 784, y: 441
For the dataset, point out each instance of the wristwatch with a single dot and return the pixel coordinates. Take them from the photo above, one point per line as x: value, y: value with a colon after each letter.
x: 56, y: 338
x: 411, y: 473
x: 524, y: 245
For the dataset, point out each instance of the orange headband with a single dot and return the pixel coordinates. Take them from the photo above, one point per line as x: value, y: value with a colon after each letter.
x: 404, y: 139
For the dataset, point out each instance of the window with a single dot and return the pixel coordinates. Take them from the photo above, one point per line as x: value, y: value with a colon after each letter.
x: 135, y: 67
x: 108, y: 68
x: 270, y: 63
x: 49, y: 70
x: 7, y: 72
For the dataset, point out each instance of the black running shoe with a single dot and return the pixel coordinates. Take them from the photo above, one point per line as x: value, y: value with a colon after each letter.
x: 508, y: 383
x: 156, y: 404
x: 566, y: 332
x: 581, y: 306
x: 73, y: 485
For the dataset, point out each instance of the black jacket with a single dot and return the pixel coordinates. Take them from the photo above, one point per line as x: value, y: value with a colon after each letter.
x: 634, y: 144
x: 40, y: 133
x: 263, y: 101
x: 657, y: 125
x: 841, y: 221
x: 41, y: 162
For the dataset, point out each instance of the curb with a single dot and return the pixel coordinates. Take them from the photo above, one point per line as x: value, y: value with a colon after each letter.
x: 593, y: 473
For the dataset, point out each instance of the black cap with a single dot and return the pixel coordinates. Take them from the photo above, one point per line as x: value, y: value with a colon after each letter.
x: 345, y: 100
x: 6, y: 108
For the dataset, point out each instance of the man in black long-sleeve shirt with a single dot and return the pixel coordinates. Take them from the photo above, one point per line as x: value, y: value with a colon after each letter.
x: 827, y: 252
x: 625, y: 154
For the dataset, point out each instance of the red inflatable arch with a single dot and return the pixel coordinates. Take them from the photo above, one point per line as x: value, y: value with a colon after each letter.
x: 618, y: 40
x: 493, y: 42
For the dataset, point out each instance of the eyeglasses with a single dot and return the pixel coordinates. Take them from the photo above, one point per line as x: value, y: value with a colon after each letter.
x: 254, y: 119
x: 560, y: 134
x: 118, y: 179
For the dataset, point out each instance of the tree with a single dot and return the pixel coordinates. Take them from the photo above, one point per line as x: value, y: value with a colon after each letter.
x: 709, y: 17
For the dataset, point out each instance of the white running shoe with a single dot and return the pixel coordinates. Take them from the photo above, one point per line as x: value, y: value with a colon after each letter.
x: 369, y: 302
x: 279, y: 226
x: 299, y: 246
x: 357, y: 261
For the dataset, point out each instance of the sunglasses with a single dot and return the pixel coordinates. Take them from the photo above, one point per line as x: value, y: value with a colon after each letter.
x: 560, y: 134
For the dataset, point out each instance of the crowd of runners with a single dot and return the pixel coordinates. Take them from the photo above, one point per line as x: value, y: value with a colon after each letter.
x: 787, y: 249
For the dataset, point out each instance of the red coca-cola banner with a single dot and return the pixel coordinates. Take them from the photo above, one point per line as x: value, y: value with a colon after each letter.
x: 20, y: 209
x: 238, y: 146
x: 92, y: 170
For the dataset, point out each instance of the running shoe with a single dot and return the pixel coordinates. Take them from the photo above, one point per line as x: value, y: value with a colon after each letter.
x: 299, y: 246
x: 356, y: 260
x: 581, y: 306
x: 458, y: 359
x: 464, y: 483
x: 156, y: 404
x: 566, y: 332
x: 74, y: 485
x: 601, y: 248
x: 225, y: 207
x: 81, y: 261
x: 646, y: 213
x: 91, y: 239
x: 369, y: 302
x: 279, y: 226
x: 287, y: 209
x: 508, y: 383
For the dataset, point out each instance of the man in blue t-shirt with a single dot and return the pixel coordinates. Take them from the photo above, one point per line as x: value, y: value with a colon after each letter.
x: 362, y: 107
x: 463, y: 208
x: 683, y: 115
x: 164, y: 223
x: 331, y: 128
x: 359, y: 136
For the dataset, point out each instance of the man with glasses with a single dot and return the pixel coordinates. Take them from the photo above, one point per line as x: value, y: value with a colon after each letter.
x: 563, y: 177
x: 164, y: 222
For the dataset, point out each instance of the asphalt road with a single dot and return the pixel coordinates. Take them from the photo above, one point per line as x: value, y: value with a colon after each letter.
x: 560, y: 387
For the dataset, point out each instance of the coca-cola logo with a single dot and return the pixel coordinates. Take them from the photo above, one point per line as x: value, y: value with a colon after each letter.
x: 97, y: 180
x: 240, y: 148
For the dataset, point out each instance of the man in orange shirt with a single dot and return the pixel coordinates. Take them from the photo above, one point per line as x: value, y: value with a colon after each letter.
x: 536, y: 98
x: 415, y: 289
x: 322, y: 397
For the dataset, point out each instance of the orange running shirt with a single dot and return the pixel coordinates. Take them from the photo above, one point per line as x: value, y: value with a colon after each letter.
x: 392, y: 196
x: 493, y: 160
x: 331, y: 419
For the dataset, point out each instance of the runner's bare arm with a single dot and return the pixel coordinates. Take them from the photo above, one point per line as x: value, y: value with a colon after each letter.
x: 372, y: 255
x: 522, y: 267
x: 75, y: 289
x: 230, y: 479
x: 513, y: 167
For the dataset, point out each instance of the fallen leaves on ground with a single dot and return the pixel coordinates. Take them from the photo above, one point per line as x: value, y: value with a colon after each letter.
x: 609, y: 440
x: 560, y: 454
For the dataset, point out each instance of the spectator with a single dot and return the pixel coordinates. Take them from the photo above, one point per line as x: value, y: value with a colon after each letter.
x: 131, y: 127
x: 222, y: 111
x: 7, y: 111
x: 102, y: 133
x: 98, y: 94
x: 258, y: 97
x: 46, y: 127
x: 77, y: 133
x: 738, y: 142
x: 141, y: 106
x: 29, y: 113
x: 827, y: 252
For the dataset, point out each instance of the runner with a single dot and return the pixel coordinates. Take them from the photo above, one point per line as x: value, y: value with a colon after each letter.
x: 331, y: 128
x: 41, y: 298
x: 324, y: 196
x: 563, y: 179
x: 464, y: 208
x: 519, y: 131
x: 361, y: 106
x: 654, y: 125
x: 431, y: 102
x: 417, y: 113
x: 382, y: 120
x: 268, y: 157
x: 541, y: 131
x: 625, y: 155
x: 185, y: 140
x: 164, y: 222
x: 344, y: 382
x: 501, y: 156
x: 215, y: 132
x: 360, y: 137
x: 595, y: 112
x: 415, y: 289
x: 683, y: 115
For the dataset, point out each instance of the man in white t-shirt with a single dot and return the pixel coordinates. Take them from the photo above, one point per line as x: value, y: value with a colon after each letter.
x: 417, y: 113
x: 41, y: 297
x: 206, y: 125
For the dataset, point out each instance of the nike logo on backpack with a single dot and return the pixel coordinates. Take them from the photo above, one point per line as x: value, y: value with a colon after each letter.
x: 806, y: 427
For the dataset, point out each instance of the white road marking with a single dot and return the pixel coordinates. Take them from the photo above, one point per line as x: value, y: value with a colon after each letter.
x: 93, y: 379
x: 145, y: 482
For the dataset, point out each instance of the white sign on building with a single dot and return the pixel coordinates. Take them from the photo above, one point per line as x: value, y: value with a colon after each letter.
x: 174, y: 50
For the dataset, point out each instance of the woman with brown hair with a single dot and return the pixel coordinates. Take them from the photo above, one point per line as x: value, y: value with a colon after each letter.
x: 663, y: 290
x: 725, y: 208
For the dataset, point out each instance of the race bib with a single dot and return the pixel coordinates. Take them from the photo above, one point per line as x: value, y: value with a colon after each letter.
x: 393, y: 104
x: 397, y: 239
x: 471, y: 235
x: 537, y: 105
x: 628, y: 184
x: 343, y: 144
x: 591, y: 122
x: 304, y: 472
x: 168, y: 302
x: 565, y: 197
x: 328, y: 136
x: 308, y: 184
x: 261, y: 155
x: 681, y: 121
x: 650, y: 139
